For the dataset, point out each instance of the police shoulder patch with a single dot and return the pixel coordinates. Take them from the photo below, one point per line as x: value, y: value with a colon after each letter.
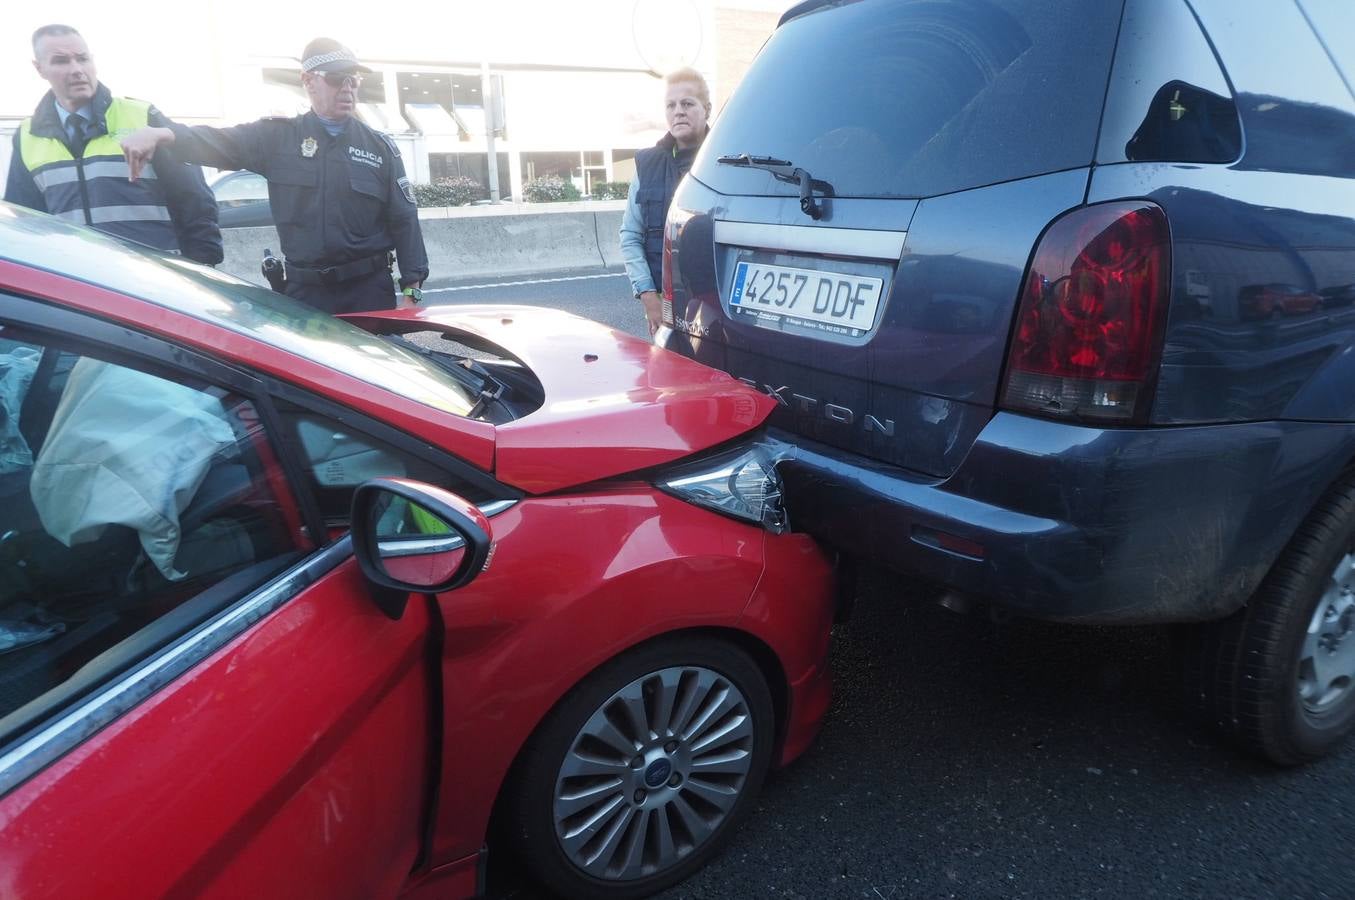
x: 390, y: 141
x: 406, y: 188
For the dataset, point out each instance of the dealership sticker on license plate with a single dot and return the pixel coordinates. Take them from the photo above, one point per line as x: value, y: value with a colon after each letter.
x: 824, y: 301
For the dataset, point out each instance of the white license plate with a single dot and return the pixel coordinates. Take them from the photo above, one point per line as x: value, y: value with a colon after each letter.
x: 829, y: 298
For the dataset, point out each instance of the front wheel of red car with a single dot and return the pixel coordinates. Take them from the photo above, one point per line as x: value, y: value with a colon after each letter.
x: 634, y: 780
x: 1278, y: 677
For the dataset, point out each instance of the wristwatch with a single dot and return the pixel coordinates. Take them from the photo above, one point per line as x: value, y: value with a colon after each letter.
x: 414, y: 294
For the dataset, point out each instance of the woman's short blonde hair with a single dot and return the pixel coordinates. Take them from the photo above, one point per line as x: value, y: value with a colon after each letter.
x: 691, y: 76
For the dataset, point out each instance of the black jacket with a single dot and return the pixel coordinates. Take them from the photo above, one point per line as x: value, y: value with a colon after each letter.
x: 334, y: 199
x: 658, y: 176
x: 191, y: 206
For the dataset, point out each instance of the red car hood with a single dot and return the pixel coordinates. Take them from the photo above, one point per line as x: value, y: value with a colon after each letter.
x: 614, y: 403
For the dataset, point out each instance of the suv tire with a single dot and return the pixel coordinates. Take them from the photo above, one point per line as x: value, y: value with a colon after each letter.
x: 1278, y: 676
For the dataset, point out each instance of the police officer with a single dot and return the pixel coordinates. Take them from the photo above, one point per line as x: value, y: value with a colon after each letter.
x: 338, y: 191
x: 67, y: 161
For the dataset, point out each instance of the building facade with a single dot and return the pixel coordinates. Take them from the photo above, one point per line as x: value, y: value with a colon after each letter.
x: 568, y: 89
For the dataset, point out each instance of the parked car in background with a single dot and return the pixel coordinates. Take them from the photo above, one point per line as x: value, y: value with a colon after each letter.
x: 995, y: 273
x: 298, y: 606
x: 242, y: 199
x: 1261, y: 301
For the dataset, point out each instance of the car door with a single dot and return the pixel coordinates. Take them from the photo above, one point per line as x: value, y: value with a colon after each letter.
x: 197, y: 695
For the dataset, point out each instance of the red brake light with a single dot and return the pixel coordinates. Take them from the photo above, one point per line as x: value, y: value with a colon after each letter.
x: 672, y: 231
x: 1088, y: 333
x: 669, y: 232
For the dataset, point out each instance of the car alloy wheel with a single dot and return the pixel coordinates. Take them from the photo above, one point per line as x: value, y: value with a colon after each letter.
x: 636, y: 777
x: 653, y: 773
x: 1327, y: 659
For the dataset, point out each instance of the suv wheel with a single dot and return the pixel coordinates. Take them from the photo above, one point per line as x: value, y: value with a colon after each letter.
x: 1278, y: 677
x: 632, y: 782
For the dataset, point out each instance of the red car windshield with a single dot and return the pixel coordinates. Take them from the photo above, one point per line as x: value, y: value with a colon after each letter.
x: 305, y: 331
x: 43, y: 242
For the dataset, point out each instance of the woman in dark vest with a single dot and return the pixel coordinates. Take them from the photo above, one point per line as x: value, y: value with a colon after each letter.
x: 657, y: 173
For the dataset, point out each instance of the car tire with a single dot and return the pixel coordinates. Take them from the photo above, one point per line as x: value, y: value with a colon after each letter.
x: 1278, y: 676
x: 605, y: 806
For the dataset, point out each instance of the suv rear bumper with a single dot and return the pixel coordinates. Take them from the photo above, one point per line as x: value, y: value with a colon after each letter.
x: 1067, y: 522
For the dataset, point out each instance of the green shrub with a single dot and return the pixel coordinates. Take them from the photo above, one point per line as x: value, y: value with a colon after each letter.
x: 611, y: 190
x: 455, y: 191
x: 550, y: 189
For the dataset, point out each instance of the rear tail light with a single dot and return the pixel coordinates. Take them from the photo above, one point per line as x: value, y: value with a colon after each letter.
x: 672, y: 229
x: 1088, y: 335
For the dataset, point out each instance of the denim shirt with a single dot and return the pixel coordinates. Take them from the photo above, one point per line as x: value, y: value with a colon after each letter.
x: 633, y: 243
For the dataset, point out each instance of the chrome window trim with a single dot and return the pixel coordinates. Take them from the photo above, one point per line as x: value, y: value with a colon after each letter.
x: 859, y: 242
x: 72, y: 728
x: 414, y: 545
x: 77, y: 725
x: 491, y: 510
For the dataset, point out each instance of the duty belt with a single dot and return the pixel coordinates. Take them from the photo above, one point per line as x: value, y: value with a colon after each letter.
x: 337, y: 274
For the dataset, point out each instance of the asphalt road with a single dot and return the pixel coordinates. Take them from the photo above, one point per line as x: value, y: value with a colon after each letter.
x: 600, y: 294
x: 968, y: 759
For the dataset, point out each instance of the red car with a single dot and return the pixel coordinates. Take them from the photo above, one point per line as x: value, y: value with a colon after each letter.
x: 294, y: 606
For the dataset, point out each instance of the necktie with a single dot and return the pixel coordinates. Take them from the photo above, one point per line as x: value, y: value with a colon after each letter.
x: 79, y: 130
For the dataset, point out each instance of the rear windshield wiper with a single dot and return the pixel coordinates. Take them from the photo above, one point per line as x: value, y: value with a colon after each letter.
x: 787, y: 171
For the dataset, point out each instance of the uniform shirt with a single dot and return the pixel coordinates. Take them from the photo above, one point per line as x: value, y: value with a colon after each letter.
x: 85, y: 112
x: 335, y: 198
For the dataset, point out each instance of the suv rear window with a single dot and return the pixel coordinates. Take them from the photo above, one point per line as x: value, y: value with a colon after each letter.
x: 912, y: 98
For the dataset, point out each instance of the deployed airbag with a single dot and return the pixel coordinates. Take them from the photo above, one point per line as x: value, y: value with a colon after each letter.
x: 126, y: 448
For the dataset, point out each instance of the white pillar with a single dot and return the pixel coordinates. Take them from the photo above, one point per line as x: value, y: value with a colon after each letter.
x: 491, y: 157
x: 515, y: 175
x: 390, y: 78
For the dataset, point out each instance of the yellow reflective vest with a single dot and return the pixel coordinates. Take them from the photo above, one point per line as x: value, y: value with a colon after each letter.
x: 95, y: 188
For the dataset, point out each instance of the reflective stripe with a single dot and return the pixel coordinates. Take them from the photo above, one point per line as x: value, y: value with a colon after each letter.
x: 66, y: 173
x: 56, y: 174
x: 103, y: 214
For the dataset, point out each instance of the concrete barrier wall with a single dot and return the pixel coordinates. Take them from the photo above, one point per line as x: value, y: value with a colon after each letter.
x: 481, y: 242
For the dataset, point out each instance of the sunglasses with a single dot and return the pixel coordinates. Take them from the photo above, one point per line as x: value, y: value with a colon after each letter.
x: 340, y: 79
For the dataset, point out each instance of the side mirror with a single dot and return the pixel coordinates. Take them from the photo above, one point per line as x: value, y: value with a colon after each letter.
x: 411, y: 537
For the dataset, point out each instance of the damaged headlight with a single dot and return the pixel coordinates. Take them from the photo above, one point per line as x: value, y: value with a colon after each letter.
x: 741, y: 483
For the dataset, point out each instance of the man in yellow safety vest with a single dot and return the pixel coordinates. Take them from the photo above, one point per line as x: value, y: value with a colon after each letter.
x: 68, y: 161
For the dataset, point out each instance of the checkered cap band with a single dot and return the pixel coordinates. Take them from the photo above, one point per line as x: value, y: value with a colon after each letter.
x: 318, y: 62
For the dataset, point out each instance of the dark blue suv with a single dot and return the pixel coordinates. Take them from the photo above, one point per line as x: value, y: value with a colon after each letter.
x: 1056, y: 300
